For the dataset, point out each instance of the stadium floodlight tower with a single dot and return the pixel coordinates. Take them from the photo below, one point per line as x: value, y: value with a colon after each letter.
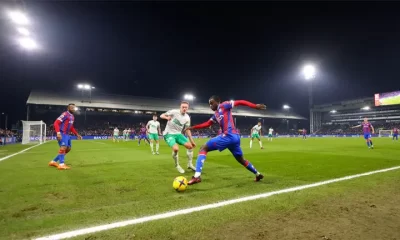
x: 309, y: 72
x: 88, y: 88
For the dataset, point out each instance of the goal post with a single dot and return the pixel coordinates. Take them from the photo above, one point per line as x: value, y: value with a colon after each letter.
x: 385, y: 133
x: 33, y: 132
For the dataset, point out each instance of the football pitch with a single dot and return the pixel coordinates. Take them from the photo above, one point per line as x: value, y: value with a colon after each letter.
x: 111, y: 182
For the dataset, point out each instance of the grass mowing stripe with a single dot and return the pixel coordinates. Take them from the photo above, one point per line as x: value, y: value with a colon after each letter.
x: 14, y: 154
x: 205, y: 207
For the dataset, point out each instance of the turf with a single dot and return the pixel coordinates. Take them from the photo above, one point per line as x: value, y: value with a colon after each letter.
x: 118, y: 181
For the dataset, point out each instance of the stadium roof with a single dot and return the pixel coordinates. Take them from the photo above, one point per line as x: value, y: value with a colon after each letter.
x: 345, y: 105
x: 108, y: 101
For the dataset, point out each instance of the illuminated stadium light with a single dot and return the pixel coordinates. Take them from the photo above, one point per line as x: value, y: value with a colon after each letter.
x: 28, y: 43
x: 76, y: 109
x: 85, y: 87
x: 286, y: 106
x: 309, y: 72
x: 18, y: 17
x: 23, y: 31
x: 366, y: 108
x: 188, y: 97
x: 333, y: 111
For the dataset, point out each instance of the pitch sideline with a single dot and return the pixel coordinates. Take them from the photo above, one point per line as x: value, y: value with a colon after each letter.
x: 14, y: 154
x: 120, y: 224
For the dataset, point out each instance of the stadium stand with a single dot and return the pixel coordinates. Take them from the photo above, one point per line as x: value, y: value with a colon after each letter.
x: 338, y: 117
x: 99, y: 113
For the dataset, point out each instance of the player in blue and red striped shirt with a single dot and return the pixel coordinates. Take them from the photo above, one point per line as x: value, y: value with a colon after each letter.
x: 63, y: 126
x: 229, y: 139
x: 367, y: 128
x: 395, y: 133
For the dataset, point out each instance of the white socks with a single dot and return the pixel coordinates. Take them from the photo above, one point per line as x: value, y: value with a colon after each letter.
x: 251, y: 143
x: 189, y: 154
x: 260, y: 143
x: 157, y: 146
x: 175, y: 156
x: 197, y: 174
x: 152, y: 147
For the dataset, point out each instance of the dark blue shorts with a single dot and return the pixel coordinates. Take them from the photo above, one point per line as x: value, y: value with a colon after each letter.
x: 143, y: 136
x: 228, y: 141
x: 65, y: 141
x: 367, y: 135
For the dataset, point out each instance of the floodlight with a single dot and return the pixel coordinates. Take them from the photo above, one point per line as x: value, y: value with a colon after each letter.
x: 18, y: 17
x: 309, y: 72
x: 28, y: 43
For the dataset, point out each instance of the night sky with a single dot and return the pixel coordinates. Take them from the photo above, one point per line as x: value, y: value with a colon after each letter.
x: 251, y: 51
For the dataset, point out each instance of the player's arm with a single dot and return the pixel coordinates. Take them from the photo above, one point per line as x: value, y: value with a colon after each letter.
x: 148, y: 126
x: 202, y: 125
x: 73, y: 130
x: 373, y: 129
x: 57, y: 124
x: 189, y: 134
x: 248, y: 104
x: 159, y: 129
x: 166, y: 116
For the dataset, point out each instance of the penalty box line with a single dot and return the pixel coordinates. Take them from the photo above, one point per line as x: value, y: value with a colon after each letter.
x: 120, y: 224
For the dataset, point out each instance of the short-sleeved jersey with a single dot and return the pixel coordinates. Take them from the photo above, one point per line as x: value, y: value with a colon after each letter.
x: 124, y: 132
x: 177, y: 123
x: 223, y: 116
x: 395, y: 130
x: 153, y: 126
x: 304, y: 131
x: 116, y: 131
x: 67, y: 121
x: 256, y: 129
x: 143, y: 130
x: 366, y: 127
x: 270, y: 131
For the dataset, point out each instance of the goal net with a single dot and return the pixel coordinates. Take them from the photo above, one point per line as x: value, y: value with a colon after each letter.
x: 33, y: 132
x: 385, y: 133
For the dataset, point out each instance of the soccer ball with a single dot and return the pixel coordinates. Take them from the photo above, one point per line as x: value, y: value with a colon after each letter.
x: 180, y: 184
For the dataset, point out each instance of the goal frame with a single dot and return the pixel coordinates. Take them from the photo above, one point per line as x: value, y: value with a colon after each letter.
x: 26, y: 132
x: 385, y: 133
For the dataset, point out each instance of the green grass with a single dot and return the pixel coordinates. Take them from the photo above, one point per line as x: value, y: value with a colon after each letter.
x: 117, y: 181
x: 390, y: 100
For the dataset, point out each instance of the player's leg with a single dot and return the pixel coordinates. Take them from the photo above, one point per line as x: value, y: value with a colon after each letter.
x: 182, y: 140
x: 236, y: 150
x: 370, y: 141
x: 259, y: 141
x: 251, y: 141
x: 139, y: 139
x: 171, y: 141
x: 151, y: 143
x: 157, y: 144
x: 68, y: 150
x: 212, y: 145
x: 147, y: 139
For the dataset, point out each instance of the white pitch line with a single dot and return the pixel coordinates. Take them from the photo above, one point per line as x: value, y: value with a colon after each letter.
x: 204, y: 207
x: 12, y: 155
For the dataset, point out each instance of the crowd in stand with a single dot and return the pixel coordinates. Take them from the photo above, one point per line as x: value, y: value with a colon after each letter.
x: 347, y: 129
x: 6, y: 133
